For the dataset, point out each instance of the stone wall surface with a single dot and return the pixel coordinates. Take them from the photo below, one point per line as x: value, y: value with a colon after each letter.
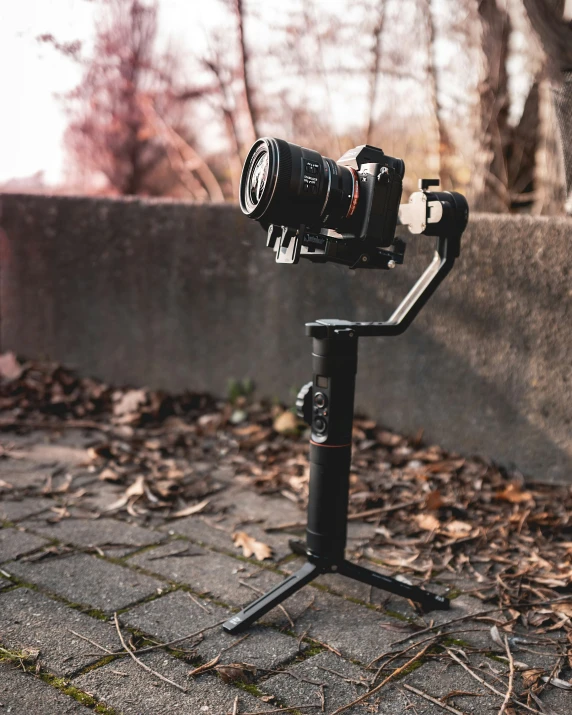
x: 177, y: 296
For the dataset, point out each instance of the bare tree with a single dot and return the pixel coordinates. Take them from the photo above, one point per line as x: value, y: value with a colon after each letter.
x: 252, y: 115
x: 444, y: 147
x: 374, y: 70
x: 555, y: 31
x: 128, y: 114
x: 225, y: 103
x: 493, y: 193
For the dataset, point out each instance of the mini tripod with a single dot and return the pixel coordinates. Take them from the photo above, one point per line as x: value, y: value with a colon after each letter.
x: 327, y: 405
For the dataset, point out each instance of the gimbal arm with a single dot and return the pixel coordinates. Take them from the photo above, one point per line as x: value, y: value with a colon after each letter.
x: 447, y: 250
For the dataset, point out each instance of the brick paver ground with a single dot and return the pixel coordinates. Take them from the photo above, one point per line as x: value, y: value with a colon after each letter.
x: 63, y: 574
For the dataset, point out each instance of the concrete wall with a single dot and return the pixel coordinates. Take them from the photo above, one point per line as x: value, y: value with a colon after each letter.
x: 178, y: 296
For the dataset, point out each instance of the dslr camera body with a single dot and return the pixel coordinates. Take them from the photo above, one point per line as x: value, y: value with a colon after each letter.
x: 345, y: 211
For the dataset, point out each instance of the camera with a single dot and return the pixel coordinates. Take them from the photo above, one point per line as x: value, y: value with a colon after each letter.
x: 345, y: 211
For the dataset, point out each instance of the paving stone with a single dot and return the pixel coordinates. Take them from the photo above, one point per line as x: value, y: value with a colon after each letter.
x: 356, y: 631
x: 139, y: 693
x: 17, y: 509
x: 175, y: 615
x: 25, y: 694
x: 441, y: 677
x: 49, y: 455
x: 113, y: 537
x: 28, y: 618
x: 15, y: 543
x: 219, y: 575
x: 219, y: 533
x: 23, y: 474
x: 291, y: 691
x: 4, y: 583
x: 244, y: 510
x: 88, y: 580
x: 101, y: 495
x: 558, y: 701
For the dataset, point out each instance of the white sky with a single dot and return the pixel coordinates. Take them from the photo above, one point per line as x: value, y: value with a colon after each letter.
x: 32, y: 120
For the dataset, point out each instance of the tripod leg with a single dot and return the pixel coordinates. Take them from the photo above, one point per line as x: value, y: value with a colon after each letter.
x: 276, y: 595
x: 428, y: 600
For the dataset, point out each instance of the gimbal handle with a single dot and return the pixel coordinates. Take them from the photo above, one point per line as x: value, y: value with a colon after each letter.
x: 447, y: 251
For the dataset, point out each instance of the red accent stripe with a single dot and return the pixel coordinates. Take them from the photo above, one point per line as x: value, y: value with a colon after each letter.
x: 330, y: 446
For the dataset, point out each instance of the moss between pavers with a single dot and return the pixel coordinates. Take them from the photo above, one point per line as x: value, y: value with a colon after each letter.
x: 70, y: 690
x: 28, y: 665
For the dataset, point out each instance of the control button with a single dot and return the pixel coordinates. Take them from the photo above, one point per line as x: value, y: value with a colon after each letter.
x: 320, y: 400
x: 320, y: 425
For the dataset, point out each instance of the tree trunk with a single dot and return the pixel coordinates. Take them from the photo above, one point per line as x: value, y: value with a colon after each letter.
x: 251, y: 111
x: 555, y: 32
x: 374, y: 72
x: 492, y: 179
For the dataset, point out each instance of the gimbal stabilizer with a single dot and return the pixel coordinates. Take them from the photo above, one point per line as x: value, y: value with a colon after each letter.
x: 327, y: 402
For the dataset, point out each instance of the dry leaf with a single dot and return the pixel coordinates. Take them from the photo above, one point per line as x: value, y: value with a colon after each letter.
x: 434, y: 500
x: 129, y: 402
x: 235, y: 672
x: 136, y: 489
x: 513, y: 494
x: 531, y: 677
x: 194, y: 509
x: 458, y: 529
x: 10, y: 368
x: 108, y: 475
x: 496, y: 636
x: 565, y: 608
x: 428, y: 522
x: 204, y: 668
x: 250, y: 546
x: 285, y: 423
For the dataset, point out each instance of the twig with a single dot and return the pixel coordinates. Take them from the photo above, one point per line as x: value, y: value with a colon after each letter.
x: 173, y: 554
x: 140, y: 663
x: 487, y: 685
x: 205, y: 667
x: 285, y: 527
x: 235, y: 706
x: 289, y: 709
x: 434, y: 628
x: 257, y: 590
x: 510, y: 691
x: 180, y: 640
x: 233, y: 645
x: 85, y: 638
x: 342, y: 676
x: 390, y: 677
x: 431, y: 699
x: 384, y: 509
x: 199, y: 604
x: 325, y: 645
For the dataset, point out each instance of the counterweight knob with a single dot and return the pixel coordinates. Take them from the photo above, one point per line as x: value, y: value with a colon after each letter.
x: 304, y: 403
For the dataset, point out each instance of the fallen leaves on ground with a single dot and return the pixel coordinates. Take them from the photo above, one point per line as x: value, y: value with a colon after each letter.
x: 432, y: 514
x: 251, y: 547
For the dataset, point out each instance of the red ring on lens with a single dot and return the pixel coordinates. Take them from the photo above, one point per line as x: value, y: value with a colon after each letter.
x: 355, y: 194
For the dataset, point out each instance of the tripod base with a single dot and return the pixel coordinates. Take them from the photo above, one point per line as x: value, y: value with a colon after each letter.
x: 311, y: 570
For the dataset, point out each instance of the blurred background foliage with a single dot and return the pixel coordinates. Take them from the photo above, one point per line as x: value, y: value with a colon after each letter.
x: 477, y: 92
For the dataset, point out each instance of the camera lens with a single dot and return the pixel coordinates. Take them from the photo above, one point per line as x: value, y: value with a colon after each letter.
x: 286, y: 184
